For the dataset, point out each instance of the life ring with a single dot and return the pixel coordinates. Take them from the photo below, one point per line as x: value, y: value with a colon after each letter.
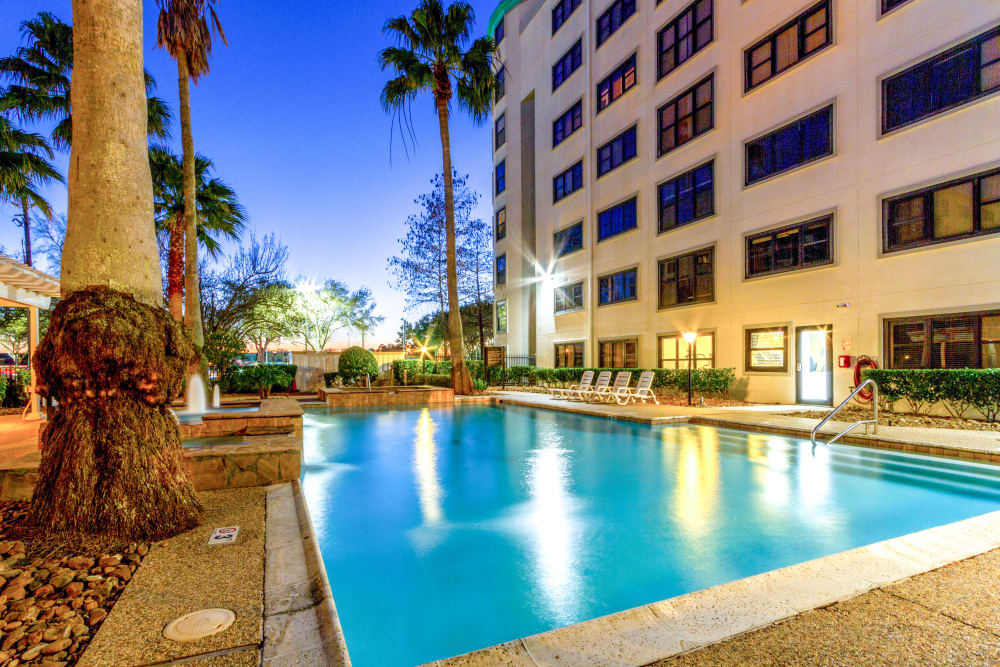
x: 864, y: 362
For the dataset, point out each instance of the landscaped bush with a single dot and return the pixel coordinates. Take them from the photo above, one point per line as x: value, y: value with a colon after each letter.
x: 265, y: 377
x: 432, y: 379
x: 14, y: 391
x: 247, y: 380
x: 958, y: 389
x: 356, y: 362
x: 329, y: 379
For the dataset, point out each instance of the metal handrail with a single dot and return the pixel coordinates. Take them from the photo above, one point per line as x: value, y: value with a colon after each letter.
x: 866, y: 422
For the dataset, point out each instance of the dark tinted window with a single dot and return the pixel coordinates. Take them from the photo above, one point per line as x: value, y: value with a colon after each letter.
x: 567, y: 182
x: 889, y: 5
x: 567, y: 124
x: 568, y: 64
x: 789, y: 248
x: 801, y: 37
x: 617, y: 287
x: 569, y: 355
x: 616, y: 152
x: 684, y: 36
x: 501, y: 177
x: 617, y: 219
x: 501, y: 223
x: 568, y: 240
x: 569, y: 297
x: 689, y: 197
x: 616, y: 84
x: 687, y: 116
x: 613, y: 18
x: 562, y: 11
x: 500, y: 131
x: 501, y: 84
x: 793, y: 145
x: 960, y: 340
x: 498, y: 32
x: 619, y: 353
x: 502, y: 270
x: 688, y: 278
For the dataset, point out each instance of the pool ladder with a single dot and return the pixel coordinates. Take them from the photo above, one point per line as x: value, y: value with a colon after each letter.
x: 866, y: 422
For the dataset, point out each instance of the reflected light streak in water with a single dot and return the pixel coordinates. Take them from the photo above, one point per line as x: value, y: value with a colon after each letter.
x: 429, y: 490
x: 697, y: 490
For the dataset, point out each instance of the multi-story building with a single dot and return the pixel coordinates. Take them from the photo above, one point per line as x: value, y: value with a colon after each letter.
x: 797, y: 181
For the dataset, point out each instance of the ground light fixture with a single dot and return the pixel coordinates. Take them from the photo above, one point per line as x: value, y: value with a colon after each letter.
x: 690, y: 337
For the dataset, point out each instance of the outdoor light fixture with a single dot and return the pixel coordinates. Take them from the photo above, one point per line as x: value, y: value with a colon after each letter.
x: 690, y: 337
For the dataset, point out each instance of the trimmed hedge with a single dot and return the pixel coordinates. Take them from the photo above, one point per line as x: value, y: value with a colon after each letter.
x: 959, y: 389
x: 432, y: 379
x: 715, y: 381
x: 241, y: 379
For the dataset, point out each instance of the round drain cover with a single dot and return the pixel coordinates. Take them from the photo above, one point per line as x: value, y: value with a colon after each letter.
x: 198, y: 624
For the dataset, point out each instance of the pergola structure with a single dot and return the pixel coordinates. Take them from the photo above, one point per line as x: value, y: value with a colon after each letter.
x: 24, y: 287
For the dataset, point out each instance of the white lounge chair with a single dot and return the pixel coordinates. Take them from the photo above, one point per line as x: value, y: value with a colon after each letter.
x: 586, y: 380
x: 601, y: 386
x: 643, y: 391
x: 621, y: 385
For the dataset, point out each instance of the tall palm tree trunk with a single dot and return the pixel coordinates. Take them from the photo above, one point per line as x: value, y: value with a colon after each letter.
x: 192, y: 290
x: 175, y: 270
x: 461, y: 382
x: 26, y: 218
x: 113, y: 358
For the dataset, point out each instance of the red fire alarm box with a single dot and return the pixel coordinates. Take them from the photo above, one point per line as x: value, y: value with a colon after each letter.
x: 844, y: 361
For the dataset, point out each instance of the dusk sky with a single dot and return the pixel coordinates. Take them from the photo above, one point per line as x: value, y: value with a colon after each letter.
x: 290, y: 114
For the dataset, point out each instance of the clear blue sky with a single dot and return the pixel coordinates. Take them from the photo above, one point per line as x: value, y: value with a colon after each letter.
x: 290, y: 114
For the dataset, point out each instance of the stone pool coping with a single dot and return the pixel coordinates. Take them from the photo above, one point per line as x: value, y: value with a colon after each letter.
x: 688, y: 622
x: 273, y: 415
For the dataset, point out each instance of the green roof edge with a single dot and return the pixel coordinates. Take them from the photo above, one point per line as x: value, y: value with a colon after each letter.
x: 498, y: 14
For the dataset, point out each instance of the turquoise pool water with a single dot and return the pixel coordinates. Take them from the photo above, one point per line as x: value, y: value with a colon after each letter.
x: 445, y: 530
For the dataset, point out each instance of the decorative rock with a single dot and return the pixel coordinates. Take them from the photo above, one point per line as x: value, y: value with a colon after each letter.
x: 34, y: 637
x: 122, y: 572
x: 14, y: 592
x: 80, y: 563
x: 12, y: 639
x: 79, y: 629
x: 96, y: 616
x: 61, y: 580
x: 74, y: 589
x: 44, y: 591
x: 76, y: 603
x: 56, y: 646
x: 32, y: 652
x: 17, y: 547
x: 89, y: 604
x: 142, y: 549
x: 109, y: 561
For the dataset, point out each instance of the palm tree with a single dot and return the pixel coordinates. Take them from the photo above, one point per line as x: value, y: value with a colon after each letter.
x: 24, y: 165
x: 431, y: 56
x: 40, y: 73
x: 184, y: 29
x: 220, y: 214
x: 113, y: 357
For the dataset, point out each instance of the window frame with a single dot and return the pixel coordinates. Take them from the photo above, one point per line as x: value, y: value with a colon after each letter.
x: 611, y: 274
x: 556, y: 239
x: 633, y: 340
x: 570, y: 53
x: 674, y: 102
x: 500, y: 133
x: 609, y: 145
x: 927, y: 194
x: 678, y: 338
x: 747, y: 335
x: 674, y: 24
x: 928, y: 322
x: 575, y: 308
x: 889, y: 6
x: 578, y: 353
x: 565, y: 16
x: 497, y: 235
x: 501, y: 84
x: 499, y: 178
x: 620, y: 70
x: 771, y: 39
x: 694, y: 254
x: 568, y: 114
x: 975, y: 41
x: 502, y: 305
x: 500, y: 275
x: 499, y: 32
x: 609, y: 13
x: 827, y: 218
x: 830, y: 108
x: 625, y: 230
x: 571, y: 173
x: 675, y: 180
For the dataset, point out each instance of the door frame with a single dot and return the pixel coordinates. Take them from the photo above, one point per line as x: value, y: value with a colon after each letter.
x: 828, y: 328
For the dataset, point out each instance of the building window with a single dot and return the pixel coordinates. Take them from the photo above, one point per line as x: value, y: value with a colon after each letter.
x: 954, y: 210
x: 567, y: 182
x: 617, y: 219
x: 687, y: 279
x: 687, y: 198
x: 616, y: 152
x: 498, y: 33
x: 792, y: 43
x: 562, y: 11
x: 616, y: 84
x: 889, y: 5
x: 791, y: 146
x: 799, y: 246
x: 568, y: 64
x: 955, y: 340
x: 501, y: 84
x: 617, y: 287
x: 501, y: 223
x: 675, y: 352
x: 569, y: 298
x: 767, y: 350
x: 567, y: 124
x: 502, y: 270
x: 501, y: 177
x: 502, y: 316
x: 612, y: 19
x: 952, y: 78
x: 500, y: 131
x: 686, y: 116
x: 568, y: 240
x: 569, y: 355
x: 684, y: 36
x: 619, y: 353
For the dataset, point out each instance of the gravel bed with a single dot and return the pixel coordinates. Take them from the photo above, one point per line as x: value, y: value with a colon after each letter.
x: 54, y: 594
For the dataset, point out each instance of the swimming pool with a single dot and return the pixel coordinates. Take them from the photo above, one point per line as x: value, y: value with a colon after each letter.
x: 445, y: 530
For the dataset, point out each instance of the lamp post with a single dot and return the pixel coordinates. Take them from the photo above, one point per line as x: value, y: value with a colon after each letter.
x: 690, y: 337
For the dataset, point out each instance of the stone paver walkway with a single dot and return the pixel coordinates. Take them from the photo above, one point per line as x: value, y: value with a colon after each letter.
x: 950, y: 616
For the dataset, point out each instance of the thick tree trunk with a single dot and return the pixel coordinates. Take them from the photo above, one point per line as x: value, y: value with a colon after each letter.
x: 175, y: 270
x: 461, y: 381
x: 112, y: 357
x: 26, y: 212
x: 192, y: 290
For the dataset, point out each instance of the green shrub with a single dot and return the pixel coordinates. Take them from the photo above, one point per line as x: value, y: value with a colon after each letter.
x: 958, y: 389
x: 249, y: 380
x: 356, y: 362
x: 432, y: 379
x: 708, y: 381
x: 265, y: 377
x: 15, y: 389
x: 330, y: 378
